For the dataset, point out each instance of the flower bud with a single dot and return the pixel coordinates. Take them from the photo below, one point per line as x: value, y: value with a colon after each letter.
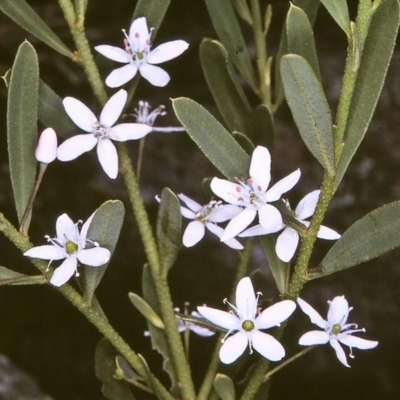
x: 46, y: 149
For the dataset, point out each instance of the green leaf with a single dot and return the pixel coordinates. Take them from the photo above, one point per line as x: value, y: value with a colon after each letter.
x: 51, y: 112
x: 228, y: 30
x: 245, y: 143
x: 263, y: 127
x: 310, y: 7
x: 212, y: 138
x: 25, y: 16
x: 369, y: 237
x: 10, y: 277
x: 143, y: 307
x: 154, y: 11
x: 224, y: 387
x: 340, y: 13
x: 104, y: 229
x: 300, y: 37
x: 276, y: 265
x: 169, y: 224
x: 125, y: 370
x: 243, y: 10
x: 224, y: 86
x: 375, y: 59
x: 106, y: 367
x: 22, y: 125
x: 310, y: 108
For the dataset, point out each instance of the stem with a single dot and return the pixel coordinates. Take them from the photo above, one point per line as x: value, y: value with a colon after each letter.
x: 140, y: 157
x: 160, y: 282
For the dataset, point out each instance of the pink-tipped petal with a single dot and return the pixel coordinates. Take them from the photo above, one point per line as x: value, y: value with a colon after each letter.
x: 233, y: 348
x: 194, y: 232
x: 155, y: 75
x: 283, y: 186
x: 108, y: 157
x: 307, y: 204
x: 129, y: 131
x: 113, y: 108
x: 76, y: 146
x: 267, y: 346
x: 167, y: 51
x: 80, y: 114
x: 260, y: 168
x: 286, y: 244
x: 114, y: 53
x: 121, y: 75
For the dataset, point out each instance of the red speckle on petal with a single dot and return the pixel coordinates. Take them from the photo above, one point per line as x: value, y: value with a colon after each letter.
x: 137, y: 36
x: 250, y: 181
x: 259, y: 188
x: 240, y: 199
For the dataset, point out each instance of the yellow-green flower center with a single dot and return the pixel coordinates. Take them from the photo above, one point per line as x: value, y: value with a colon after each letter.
x: 336, y: 329
x: 71, y: 247
x: 248, y: 325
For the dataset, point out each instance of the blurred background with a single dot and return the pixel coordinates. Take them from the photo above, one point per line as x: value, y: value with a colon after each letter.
x: 43, y: 335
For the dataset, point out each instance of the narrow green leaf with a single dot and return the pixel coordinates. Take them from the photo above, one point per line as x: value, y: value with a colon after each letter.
x: 245, y: 143
x: 25, y: 16
x: 339, y: 12
x: 224, y: 387
x: 229, y: 32
x: 375, y: 59
x: 153, y: 10
x: 263, y: 127
x: 22, y: 125
x: 104, y: 229
x: 169, y: 224
x: 123, y: 368
x: 224, y: 86
x: 310, y: 7
x: 10, y: 277
x: 310, y: 109
x: 143, y: 307
x: 277, y: 266
x: 369, y: 237
x: 300, y: 37
x: 212, y: 138
x: 106, y: 367
x: 243, y: 10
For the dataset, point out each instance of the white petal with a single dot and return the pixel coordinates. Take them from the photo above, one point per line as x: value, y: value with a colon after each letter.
x: 260, y: 168
x: 187, y: 213
x: 307, y: 205
x: 267, y: 346
x: 121, y: 75
x: 239, y: 223
x: 76, y: 146
x: 66, y: 229
x: 314, y: 316
x: 79, y: 113
x: 139, y: 33
x: 46, y: 252
x: 155, y: 75
x: 270, y: 218
x: 194, y: 232
x: 84, y: 230
x: 233, y: 348
x: 359, y: 343
x: 314, y: 337
x: 167, y: 51
x: 113, y: 53
x: 220, y: 318
x: 199, y: 330
x: 275, y: 314
x: 95, y: 257
x: 228, y: 191
x: 194, y: 206
x: 224, y: 213
x: 46, y: 149
x: 256, y: 230
x: 286, y: 244
x: 338, y: 311
x: 246, y: 301
x: 108, y: 157
x: 283, y: 186
x: 62, y: 274
x: 327, y: 233
x: 113, y: 108
x: 340, y: 354
x: 131, y: 131
x: 218, y: 231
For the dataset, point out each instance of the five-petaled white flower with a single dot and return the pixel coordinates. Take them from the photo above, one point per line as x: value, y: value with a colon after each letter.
x: 206, y: 217
x: 335, y: 329
x: 288, y: 240
x: 101, y: 132
x: 69, y: 244
x: 137, y: 56
x: 247, y: 322
x: 254, y: 196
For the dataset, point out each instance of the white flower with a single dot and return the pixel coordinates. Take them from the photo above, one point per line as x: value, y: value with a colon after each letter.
x: 254, y: 196
x: 335, y: 329
x: 137, y: 56
x: 206, y: 217
x: 46, y: 149
x: 247, y: 322
x: 288, y: 240
x: 100, y: 132
x: 69, y: 244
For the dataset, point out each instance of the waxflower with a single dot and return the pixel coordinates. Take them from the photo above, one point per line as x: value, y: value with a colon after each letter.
x: 288, y: 240
x: 100, y: 132
x: 246, y: 320
x: 336, y: 330
x: 70, y: 244
x: 138, y: 57
x: 46, y: 149
x: 252, y: 194
x: 206, y: 217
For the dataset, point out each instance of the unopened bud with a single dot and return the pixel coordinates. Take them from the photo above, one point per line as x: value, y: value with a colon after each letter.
x: 46, y: 149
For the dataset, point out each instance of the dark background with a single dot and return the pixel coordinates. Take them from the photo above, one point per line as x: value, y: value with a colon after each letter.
x: 49, y: 339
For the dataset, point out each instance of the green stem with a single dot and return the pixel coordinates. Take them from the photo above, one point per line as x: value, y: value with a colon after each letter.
x: 160, y: 282
x: 84, y: 54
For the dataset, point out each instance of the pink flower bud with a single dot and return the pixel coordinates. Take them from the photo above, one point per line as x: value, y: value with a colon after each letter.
x: 46, y: 149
